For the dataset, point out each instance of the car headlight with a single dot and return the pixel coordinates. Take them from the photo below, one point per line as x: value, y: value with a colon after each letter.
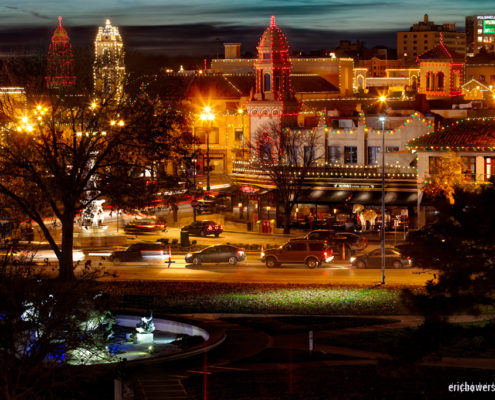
x: 353, y: 259
x: 262, y: 254
x: 188, y: 255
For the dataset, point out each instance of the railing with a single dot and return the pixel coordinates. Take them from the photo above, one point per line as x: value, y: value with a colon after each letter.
x: 328, y: 170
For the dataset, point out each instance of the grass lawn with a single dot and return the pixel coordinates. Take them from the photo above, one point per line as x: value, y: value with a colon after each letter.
x: 461, y: 340
x: 207, y: 297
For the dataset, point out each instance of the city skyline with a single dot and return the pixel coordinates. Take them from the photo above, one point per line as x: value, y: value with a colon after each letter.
x: 171, y: 27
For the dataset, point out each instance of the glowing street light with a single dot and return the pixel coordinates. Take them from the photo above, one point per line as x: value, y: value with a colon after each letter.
x: 240, y: 111
x: 207, y: 117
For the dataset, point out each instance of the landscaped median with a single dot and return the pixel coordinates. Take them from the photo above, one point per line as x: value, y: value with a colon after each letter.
x: 208, y: 297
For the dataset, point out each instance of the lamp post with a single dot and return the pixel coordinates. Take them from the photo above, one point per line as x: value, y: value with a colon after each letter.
x: 382, y: 119
x: 207, y: 116
x: 240, y: 111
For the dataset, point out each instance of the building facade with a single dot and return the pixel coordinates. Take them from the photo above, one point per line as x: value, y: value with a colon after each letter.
x: 425, y: 35
x: 108, y: 67
x: 60, y: 61
x: 480, y: 34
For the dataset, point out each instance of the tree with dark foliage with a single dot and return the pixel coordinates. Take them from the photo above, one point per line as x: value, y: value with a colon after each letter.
x: 460, y: 245
x: 71, y: 148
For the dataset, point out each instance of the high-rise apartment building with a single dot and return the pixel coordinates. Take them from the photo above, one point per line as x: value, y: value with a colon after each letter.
x: 425, y: 35
x: 480, y: 33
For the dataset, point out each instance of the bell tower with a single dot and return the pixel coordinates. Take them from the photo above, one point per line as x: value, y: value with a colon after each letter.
x: 60, y: 60
x: 272, y: 101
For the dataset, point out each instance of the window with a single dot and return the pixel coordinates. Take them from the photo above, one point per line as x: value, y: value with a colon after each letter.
x: 469, y: 166
x: 239, y: 135
x: 334, y: 154
x: 350, y: 154
x: 373, y: 154
x: 267, y: 82
x: 434, y: 165
x: 392, y: 149
x: 297, y: 246
x: 489, y: 167
x: 316, y: 246
x: 440, y: 80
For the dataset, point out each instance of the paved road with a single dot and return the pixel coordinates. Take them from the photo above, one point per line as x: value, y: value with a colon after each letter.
x: 256, y: 272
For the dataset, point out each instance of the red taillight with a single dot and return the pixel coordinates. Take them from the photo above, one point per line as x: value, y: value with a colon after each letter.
x: 220, y: 226
x: 240, y: 251
x: 210, y: 228
x: 325, y: 254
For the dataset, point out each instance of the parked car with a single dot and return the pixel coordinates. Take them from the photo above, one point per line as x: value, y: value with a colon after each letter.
x: 141, y: 251
x: 212, y: 203
x: 341, y: 246
x: 203, y: 228
x: 356, y: 242
x: 217, y: 254
x: 144, y: 226
x: 373, y: 259
x: 313, y: 253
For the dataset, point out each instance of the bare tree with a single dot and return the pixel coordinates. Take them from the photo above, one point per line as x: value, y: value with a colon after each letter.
x: 286, y: 156
x: 69, y: 148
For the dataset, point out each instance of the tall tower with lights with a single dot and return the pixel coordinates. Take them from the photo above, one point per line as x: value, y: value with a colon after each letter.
x: 109, y: 68
x: 60, y: 61
x: 272, y: 101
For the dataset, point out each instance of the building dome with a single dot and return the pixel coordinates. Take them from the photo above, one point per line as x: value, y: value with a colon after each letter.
x: 273, y: 38
x: 60, y: 32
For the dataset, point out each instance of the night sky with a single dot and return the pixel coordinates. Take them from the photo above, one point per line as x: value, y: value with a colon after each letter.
x: 192, y: 27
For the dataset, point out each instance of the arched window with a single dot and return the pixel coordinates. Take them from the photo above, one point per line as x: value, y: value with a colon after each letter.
x: 267, y: 82
x: 440, y: 80
x: 430, y: 84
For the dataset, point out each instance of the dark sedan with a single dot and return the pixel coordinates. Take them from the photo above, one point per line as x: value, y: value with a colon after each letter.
x: 217, y: 254
x: 373, y: 259
x: 141, y: 251
x: 203, y: 228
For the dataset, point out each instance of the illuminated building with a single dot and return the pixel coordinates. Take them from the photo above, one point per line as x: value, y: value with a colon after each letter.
x: 60, y: 60
x: 470, y: 139
x: 109, y: 68
x: 425, y: 35
x: 273, y: 99
x: 480, y: 33
x: 441, y: 72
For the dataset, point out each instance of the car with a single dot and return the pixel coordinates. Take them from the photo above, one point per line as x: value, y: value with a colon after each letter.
x: 141, y: 251
x: 312, y: 253
x: 144, y: 226
x: 356, y: 242
x: 217, y: 254
x: 341, y: 246
x: 203, y: 228
x: 373, y: 259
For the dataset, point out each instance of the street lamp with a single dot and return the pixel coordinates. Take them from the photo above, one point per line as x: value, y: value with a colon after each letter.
x: 240, y: 111
x: 207, y: 116
x: 382, y: 119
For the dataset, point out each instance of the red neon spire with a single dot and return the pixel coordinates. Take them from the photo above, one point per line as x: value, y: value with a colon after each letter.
x: 272, y: 21
x: 60, y: 61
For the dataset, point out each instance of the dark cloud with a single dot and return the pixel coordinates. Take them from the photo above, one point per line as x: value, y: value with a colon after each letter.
x: 189, y: 39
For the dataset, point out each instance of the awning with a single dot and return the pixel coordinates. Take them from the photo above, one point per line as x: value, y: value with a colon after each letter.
x: 357, y: 197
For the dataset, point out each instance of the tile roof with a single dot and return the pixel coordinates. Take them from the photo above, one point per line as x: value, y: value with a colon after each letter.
x: 441, y: 52
x: 474, y: 134
x: 312, y: 83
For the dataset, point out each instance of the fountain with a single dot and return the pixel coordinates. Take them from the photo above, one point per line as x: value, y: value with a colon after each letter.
x: 94, y: 232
